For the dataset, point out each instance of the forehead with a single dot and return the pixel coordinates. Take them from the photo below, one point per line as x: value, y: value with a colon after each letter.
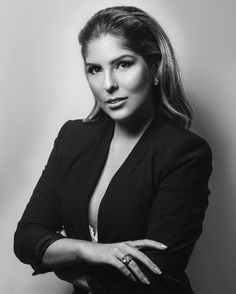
x: 106, y: 48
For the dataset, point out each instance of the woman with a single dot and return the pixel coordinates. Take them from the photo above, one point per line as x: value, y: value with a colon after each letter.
x: 128, y: 184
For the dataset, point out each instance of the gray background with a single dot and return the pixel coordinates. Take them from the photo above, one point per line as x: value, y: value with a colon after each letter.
x: 42, y: 85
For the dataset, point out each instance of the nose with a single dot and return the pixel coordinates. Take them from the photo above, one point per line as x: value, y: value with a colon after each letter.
x: 110, y: 83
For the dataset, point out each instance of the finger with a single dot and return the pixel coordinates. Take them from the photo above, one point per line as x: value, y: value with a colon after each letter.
x: 132, y: 265
x: 122, y: 268
x: 137, y: 271
x: 146, y: 243
x: 134, y: 252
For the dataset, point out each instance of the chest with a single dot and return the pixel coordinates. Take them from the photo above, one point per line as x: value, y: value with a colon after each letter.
x: 116, y: 157
x: 119, y: 190
x: 120, y: 210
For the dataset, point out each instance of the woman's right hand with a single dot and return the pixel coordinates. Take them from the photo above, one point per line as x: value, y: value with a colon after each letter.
x: 99, y: 253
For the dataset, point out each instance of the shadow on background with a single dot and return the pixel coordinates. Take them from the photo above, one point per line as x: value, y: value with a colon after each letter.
x: 213, y: 261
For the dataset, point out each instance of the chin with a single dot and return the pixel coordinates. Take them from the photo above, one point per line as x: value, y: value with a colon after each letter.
x: 119, y: 115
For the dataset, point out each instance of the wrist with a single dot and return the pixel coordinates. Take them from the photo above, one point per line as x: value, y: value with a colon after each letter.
x: 64, y: 252
x: 81, y: 251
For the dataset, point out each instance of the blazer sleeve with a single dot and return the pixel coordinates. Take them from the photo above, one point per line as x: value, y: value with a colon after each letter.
x: 175, y: 216
x: 40, y: 223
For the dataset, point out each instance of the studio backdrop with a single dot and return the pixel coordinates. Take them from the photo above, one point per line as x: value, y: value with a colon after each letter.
x: 42, y: 85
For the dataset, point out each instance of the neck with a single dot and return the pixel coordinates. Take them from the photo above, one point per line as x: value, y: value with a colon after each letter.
x: 134, y: 126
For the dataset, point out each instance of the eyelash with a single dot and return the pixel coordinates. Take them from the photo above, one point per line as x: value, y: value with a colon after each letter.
x: 126, y: 63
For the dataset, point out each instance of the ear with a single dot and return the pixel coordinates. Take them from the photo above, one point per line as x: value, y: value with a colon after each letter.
x: 155, y: 67
x: 155, y: 76
x: 155, y: 81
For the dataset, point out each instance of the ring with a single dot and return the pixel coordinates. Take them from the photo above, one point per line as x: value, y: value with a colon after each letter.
x: 126, y: 259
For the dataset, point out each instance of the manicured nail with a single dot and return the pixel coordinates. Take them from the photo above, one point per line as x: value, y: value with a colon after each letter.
x: 163, y: 246
x: 146, y: 281
x: 157, y: 270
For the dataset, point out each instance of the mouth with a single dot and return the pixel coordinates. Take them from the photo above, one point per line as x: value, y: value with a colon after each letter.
x: 115, y: 100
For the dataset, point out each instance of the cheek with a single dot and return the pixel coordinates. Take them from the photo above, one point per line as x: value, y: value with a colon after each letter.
x: 136, y: 80
x: 95, y: 87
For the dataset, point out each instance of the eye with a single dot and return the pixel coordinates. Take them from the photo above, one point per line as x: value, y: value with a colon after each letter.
x: 124, y: 64
x: 93, y: 70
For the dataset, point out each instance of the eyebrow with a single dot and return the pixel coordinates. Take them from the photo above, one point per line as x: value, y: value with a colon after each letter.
x: 111, y: 62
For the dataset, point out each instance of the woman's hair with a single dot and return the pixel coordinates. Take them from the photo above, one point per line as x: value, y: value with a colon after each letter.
x: 143, y: 35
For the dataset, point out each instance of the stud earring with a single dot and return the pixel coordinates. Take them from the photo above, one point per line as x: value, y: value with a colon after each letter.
x: 155, y: 82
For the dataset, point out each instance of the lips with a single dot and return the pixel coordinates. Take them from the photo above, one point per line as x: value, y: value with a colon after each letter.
x: 115, y: 100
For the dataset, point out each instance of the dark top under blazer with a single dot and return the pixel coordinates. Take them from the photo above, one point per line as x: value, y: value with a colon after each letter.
x: 160, y: 192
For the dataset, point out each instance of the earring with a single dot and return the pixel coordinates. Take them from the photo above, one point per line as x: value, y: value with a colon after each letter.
x: 155, y: 82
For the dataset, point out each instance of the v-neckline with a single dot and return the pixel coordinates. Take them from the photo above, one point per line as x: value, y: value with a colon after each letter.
x: 104, y: 157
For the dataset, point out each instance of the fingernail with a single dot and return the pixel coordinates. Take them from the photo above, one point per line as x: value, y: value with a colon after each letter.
x: 157, y: 270
x: 163, y: 245
x: 146, y: 281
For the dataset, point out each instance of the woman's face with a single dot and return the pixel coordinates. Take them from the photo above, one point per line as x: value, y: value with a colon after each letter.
x: 119, y: 78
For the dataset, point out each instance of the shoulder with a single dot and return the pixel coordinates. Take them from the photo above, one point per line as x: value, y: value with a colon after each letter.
x: 177, y: 147
x: 76, y: 128
x: 77, y: 134
x: 80, y: 126
x: 183, y: 159
x: 174, y: 139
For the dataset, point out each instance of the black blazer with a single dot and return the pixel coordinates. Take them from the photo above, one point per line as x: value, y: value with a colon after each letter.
x: 160, y: 192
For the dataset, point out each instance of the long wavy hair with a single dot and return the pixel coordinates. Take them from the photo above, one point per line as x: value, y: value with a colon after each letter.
x: 143, y: 35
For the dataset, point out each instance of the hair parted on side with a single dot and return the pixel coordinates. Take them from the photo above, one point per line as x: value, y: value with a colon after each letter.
x: 143, y: 35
